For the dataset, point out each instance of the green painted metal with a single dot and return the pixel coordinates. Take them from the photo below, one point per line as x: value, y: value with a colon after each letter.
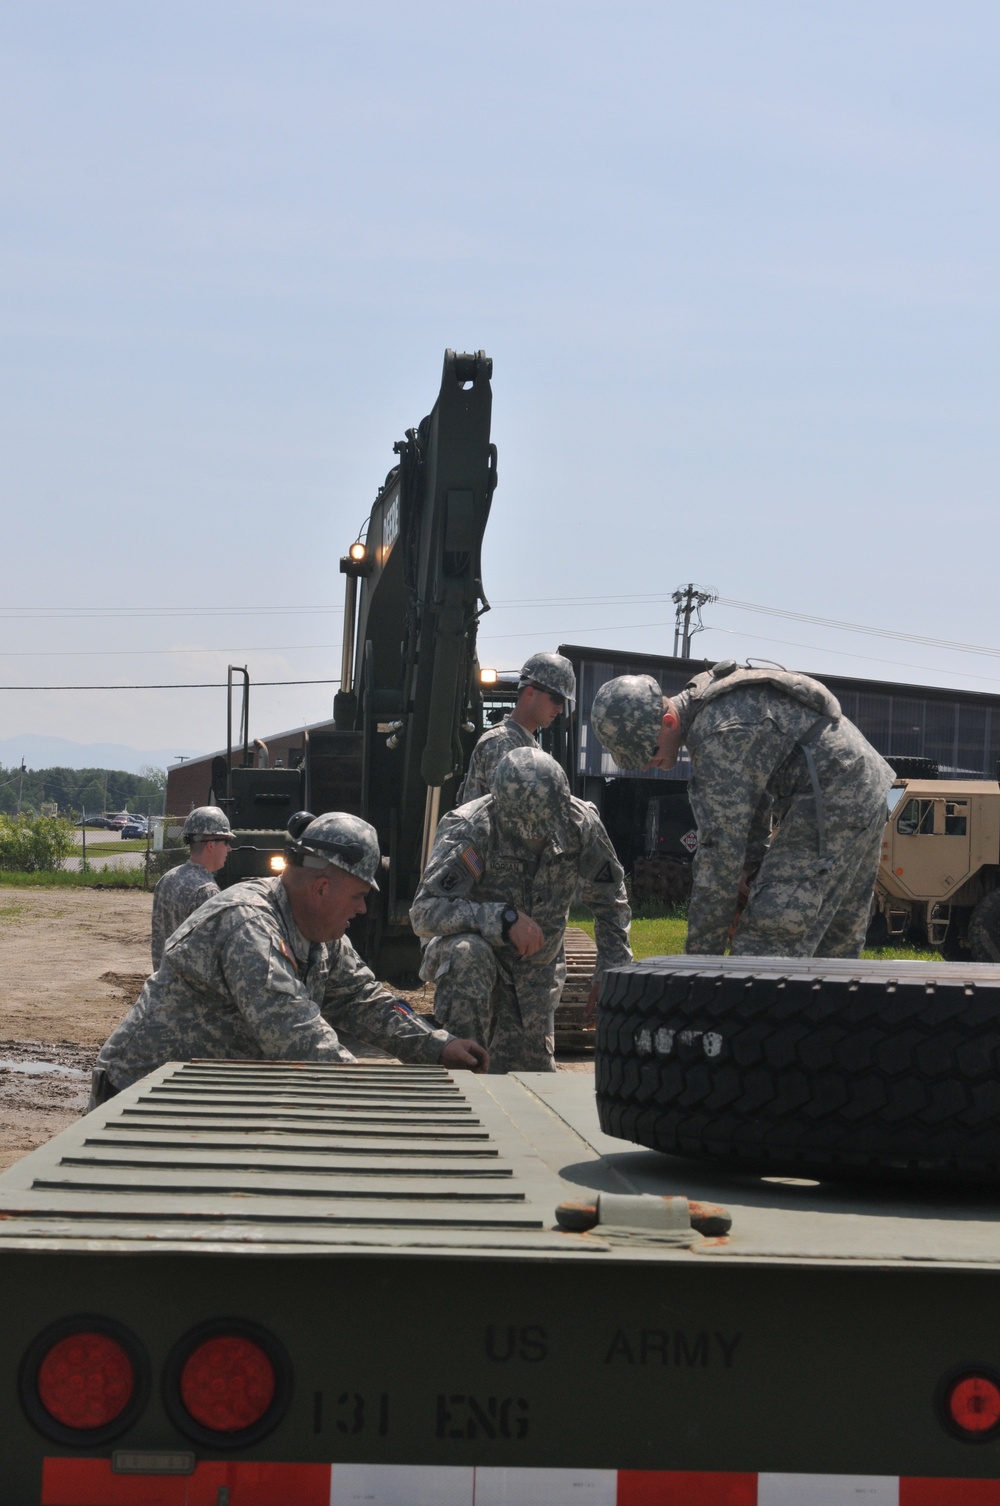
x: 393, y: 1227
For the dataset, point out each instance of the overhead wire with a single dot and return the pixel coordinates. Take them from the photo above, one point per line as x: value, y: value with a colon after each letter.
x: 196, y: 685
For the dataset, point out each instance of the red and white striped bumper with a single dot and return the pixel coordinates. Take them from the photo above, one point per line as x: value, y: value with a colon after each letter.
x: 91, y: 1482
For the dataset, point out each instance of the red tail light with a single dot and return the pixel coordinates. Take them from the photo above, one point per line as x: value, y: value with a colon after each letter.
x: 971, y: 1404
x: 228, y: 1384
x: 84, y: 1381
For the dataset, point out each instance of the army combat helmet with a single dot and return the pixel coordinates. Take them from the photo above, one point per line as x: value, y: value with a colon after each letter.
x: 531, y: 794
x: 550, y: 672
x: 627, y: 715
x: 204, y: 823
x: 344, y: 841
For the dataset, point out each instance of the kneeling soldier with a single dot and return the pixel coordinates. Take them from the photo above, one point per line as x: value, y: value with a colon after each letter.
x: 494, y: 901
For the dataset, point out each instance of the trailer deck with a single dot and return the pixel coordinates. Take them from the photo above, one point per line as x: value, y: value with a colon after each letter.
x: 386, y: 1236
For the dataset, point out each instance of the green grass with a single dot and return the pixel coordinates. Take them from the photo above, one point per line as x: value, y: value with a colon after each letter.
x: 104, y: 878
x: 665, y: 936
x: 659, y: 937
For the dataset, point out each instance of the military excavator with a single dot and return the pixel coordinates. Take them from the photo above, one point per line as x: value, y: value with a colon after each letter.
x: 410, y: 705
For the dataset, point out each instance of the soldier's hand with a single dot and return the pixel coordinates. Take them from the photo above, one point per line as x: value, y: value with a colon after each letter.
x: 468, y: 1054
x: 525, y: 935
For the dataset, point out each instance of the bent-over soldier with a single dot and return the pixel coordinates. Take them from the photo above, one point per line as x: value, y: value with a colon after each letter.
x: 494, y: 901
x: 264, y: 970
x: 779, y: 778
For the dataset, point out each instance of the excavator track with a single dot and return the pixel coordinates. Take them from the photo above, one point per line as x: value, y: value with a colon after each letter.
x: 581, y: 960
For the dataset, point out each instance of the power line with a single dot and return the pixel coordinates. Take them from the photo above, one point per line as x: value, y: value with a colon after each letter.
x: 118, y: 653
x: 854, y: 627
x: 197, y: 685
x: 501, y: 604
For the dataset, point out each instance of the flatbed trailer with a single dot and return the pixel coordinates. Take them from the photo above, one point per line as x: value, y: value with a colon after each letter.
x: 348, y: 1284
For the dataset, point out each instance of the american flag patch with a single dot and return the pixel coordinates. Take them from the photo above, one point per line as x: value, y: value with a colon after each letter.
x: 473, y: 862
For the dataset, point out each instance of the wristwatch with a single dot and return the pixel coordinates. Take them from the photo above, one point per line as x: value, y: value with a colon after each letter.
x: 507, y: 919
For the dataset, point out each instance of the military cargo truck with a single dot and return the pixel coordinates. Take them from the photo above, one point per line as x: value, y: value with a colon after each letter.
x: 940, y: 868
x: 245, y: 1284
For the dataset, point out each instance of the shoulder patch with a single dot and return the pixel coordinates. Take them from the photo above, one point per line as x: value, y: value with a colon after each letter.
x: 450, y: 881
x: 604, y: 875
x: 473, y: 862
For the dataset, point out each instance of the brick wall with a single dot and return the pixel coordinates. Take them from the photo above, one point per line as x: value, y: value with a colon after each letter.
x: 188, y: 783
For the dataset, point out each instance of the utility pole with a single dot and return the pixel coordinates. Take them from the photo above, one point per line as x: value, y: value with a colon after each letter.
x: 689, y: 601
x: 20, y: 786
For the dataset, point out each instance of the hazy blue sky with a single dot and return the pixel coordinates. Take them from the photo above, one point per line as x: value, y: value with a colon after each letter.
x: 736, y: 265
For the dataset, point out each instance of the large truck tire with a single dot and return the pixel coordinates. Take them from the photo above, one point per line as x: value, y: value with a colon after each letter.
x: 806, y: 1065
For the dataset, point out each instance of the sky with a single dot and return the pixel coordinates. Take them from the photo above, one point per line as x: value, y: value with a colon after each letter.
x: 735, y: 265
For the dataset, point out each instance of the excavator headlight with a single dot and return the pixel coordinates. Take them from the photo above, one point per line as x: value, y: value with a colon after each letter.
x: 358, y: 560
x: 487, y: 677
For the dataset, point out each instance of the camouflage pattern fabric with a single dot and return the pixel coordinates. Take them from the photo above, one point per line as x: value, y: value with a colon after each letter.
x: 179, y: 893
x: 206, y: 821
x: 626, y: 716
x: 494, y: 744
x: 476, y: 870
x: 746, y: 760
x: 530, y: 794
x: 552, y: 672
x: 238, y: 979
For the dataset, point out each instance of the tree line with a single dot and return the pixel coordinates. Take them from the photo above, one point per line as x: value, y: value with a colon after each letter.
x: 73, y: 791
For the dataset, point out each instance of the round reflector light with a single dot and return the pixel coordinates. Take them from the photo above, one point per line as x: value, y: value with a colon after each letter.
x: 227, y: 1383
x: 85, y: 1381
x: 973, y: 1405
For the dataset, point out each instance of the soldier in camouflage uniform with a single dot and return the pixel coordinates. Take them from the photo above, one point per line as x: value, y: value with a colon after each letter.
x: 780, y: 779
x: 264, y: 970
x: 546, y: 687
x: 181, y: 890
x: 493, y: 904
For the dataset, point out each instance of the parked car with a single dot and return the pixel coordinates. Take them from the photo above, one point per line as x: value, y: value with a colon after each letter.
x: 117, y: 820
x: 136, y: 828
x: 99, y: 821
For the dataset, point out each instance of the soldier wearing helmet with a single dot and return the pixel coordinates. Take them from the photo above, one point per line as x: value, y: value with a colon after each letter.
x: 788, y: 796
x: 494, y: 901
x: 546, y: 687
x: 180, y: 891
x: 265, y: 970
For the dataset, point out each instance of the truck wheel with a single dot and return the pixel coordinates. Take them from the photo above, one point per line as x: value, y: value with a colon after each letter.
x: 888, y: 1068
x: 984, y: 929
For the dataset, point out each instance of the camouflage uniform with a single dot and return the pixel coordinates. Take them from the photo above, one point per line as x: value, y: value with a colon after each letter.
x: 479, y: 867
x: 494, y: 744
x: 803, y: 902
x: 767, y: 748
x: 238, y: 979
x: 176, y: 896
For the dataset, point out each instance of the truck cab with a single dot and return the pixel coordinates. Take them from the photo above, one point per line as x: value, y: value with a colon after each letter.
x: 940, y: 860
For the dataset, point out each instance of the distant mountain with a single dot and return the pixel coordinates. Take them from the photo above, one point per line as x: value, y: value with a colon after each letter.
x: 58, y: 752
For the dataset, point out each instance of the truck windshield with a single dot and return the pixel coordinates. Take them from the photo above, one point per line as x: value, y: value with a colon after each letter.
x: 917, y: 818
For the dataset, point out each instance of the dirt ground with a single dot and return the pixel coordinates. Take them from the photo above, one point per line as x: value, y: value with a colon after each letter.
x: 72, y: 962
